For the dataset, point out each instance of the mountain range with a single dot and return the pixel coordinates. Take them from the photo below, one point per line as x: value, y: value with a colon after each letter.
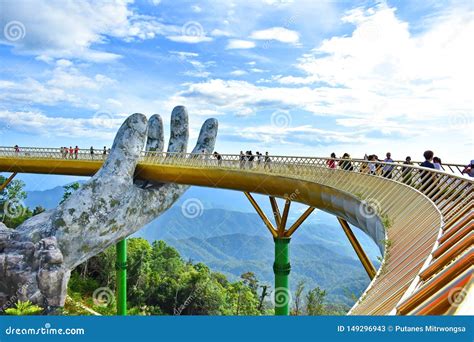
x: 223, y: 231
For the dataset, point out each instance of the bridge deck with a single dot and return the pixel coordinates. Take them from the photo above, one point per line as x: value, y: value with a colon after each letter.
x: 420, y: 218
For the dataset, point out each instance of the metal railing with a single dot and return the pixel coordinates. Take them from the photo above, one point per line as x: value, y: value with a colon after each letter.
x: 358, y: 164
x: 445, y: 189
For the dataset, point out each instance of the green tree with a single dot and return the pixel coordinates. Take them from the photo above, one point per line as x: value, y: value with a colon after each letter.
x: 241, y: 300
x: 160, y: 282
x: 250, y: 280
x: 315, y: 302
x: 298, y: 302
x: 69, y: 189
x: 138, y: 269
x: 38, y: 210
x: 14, y: 190
x: 13, y: 210
x: 24, y: 309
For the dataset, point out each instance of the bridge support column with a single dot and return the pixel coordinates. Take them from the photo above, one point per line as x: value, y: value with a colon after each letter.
x: 281, y: 269
x: 281, y: 237
x: 7, y: 181
x: 364, y: 259
x: 121, y: 267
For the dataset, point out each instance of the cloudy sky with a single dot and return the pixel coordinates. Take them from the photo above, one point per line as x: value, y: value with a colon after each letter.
x: 289, y: 77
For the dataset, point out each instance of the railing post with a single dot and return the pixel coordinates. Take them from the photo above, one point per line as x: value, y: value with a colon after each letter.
x: 281, y: 269
x: 121, y: 268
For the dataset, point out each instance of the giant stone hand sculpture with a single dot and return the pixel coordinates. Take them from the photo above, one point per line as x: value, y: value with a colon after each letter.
x: 36, y: 259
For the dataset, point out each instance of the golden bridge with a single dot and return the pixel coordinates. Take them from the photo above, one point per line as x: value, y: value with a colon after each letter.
x: 421, y: 218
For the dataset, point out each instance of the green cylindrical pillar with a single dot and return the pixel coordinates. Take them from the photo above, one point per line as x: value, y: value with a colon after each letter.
x: 281, y: 268
x: 122, y: 278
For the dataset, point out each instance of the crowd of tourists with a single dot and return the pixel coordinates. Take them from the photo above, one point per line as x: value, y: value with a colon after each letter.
x: 371, y: 164
x: 74, y: 153
x: 376, y: 166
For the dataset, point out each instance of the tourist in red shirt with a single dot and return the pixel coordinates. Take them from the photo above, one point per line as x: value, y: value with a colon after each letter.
x: 331, y: 162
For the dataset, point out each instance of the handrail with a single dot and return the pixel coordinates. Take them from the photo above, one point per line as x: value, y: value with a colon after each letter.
x: 85, y: 154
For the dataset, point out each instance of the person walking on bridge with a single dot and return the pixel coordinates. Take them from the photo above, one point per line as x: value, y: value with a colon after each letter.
x: 71, y: 152
x: 104, y: 152
x: 92, y: 152
x: 346, y: 163
x: 267, y: 161
x: 426, y: 177
x: 259, y: 158
x: 332, y: 162
x: 406, y: 171
x: 371, y: 165
x: 76, y: 152
x: 437, y: 163
x: 218, y: 157
x: 250, y: 159
x: 387, y: 169
x: 469, y: 169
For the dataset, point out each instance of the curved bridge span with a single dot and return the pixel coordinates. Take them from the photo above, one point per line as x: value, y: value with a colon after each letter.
x: 420, y: 218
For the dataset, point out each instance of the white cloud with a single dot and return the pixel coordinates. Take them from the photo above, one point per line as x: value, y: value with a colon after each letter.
x: 280, y: 34
x: 192, y: 32
x: 381, y: 79
x: 58, y: 29
x: 220, y: 33
x: 185, y: 54
x: 189, y: 39
x: 35, y: 122
x: 240, y: 44
x: 421, y: 76
x: 197, y: 73
x: 277, y: 2
x: 238, y: 95
x: 271, y: 134
x: 65, y: 83
x: 196, y: 9
x: 238, y: 73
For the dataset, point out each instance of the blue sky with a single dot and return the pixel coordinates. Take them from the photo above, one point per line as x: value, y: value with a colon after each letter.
x: 288, y: 77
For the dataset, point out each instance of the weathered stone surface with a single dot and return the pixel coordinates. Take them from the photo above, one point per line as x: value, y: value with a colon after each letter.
x: 36, y: 258
x: 156, y: 139
x: 53, y: 285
